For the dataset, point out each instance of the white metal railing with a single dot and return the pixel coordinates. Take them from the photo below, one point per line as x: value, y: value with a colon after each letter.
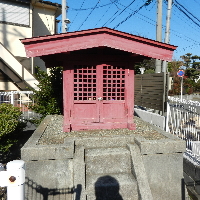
x: 183, y: 120
x: 21, y: 99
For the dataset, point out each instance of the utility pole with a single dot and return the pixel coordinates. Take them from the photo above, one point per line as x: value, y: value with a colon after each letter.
x: 167, y: 31
x: 65, y: 21
x: 159, y: 31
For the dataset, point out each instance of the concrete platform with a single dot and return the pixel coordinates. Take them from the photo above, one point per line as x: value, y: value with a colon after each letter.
x: 60, y: 171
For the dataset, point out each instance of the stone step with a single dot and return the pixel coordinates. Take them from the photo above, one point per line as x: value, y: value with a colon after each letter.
x: 104, y: 142
x: 108, y: 160
x: 111, y: 187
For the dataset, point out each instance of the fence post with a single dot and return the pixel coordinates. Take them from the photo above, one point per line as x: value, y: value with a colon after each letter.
x: 12, y: 98
x: 167, y: 117
x: 16, y: 188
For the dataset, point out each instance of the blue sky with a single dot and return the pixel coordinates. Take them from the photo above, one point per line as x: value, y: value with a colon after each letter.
x: 132, y: 17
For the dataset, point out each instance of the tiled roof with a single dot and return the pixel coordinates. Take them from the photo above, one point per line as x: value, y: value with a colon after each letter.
x: 21, y: 1
x: 41, y: 1
x: 50, y: 3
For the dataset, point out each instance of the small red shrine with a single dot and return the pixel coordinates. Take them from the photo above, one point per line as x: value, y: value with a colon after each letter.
x: 98, y: 77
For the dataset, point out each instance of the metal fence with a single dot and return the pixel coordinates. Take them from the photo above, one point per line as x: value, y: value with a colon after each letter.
x: 183, y: 120
x: 21, y: 99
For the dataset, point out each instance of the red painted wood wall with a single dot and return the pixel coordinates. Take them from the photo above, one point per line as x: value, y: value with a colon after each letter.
x: 98, y: 73
x: 98, y: 90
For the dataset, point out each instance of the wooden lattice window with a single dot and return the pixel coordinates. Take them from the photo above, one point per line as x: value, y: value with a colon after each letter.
x: 85, y: 82
x: 113, y: 83
x: 110, y: 79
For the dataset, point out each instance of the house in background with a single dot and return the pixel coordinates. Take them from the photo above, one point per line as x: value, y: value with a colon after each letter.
x: 23, y: 19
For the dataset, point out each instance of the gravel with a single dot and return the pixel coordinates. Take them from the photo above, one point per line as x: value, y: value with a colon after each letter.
x: 54, y: 134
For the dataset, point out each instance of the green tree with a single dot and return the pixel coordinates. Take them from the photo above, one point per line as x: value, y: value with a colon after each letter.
x: 148, y: 64
x: 10, y: 126
x: 192, y: 64
x: 48, y: 100
x: 173, y: 68
x: 190, y: 61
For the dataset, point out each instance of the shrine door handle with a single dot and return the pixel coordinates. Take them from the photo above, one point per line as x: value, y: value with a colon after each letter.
x: 100, y: 98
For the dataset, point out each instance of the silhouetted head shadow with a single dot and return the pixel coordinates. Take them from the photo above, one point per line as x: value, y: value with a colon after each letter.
x: 107, y: 188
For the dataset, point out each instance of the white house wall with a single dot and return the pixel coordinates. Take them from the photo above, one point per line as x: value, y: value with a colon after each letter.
x: 43, y: 24
x: 43, y: 21
x: 8, y: 86
x: 10, y: 36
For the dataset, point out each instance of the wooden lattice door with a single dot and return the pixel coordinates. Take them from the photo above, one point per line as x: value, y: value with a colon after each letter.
x: 99, y: 97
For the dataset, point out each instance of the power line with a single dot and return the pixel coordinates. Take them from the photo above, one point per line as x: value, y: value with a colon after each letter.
x: 88, y: 15
x: 115, y: 4
x: 179, y: 6
x: 191, y: 42
x: 103, y: 14
x: 176, y: 33
x: 139, y: 13
x: 136, y: 11
x: 91, y: 8
x: 123, y: 10
x: 187, y: 11
x: 186, y: 22
x: 72, y: 21
x: 110, y: 18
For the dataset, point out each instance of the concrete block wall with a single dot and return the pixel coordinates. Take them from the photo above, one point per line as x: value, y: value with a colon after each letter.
x: 152, y: 118
x: 58, y: 171
x: 49, y: 168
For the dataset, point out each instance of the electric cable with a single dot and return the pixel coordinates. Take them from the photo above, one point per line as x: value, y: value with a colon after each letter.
x: 136, y: 11
x: 89, y: 14
x: 72, y: 21
x: 123, y: 10
x: 187, y: 10
x: 103, y: 14
x: 115, y: 4
x: 110, y: 18
x: 186, y: 14
x: 83, y: 9
x: 177, y: 34
x: 177, y: 14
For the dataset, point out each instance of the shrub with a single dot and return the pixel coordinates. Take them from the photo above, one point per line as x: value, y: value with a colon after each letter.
x: 48, y: 100
x: 149, y: 71
x: 10, y: 125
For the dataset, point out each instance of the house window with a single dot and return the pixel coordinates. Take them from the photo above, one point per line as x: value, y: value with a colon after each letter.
x: 14, y: 13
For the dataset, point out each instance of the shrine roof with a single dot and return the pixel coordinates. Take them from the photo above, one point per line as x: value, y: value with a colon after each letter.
x: 99, y: 37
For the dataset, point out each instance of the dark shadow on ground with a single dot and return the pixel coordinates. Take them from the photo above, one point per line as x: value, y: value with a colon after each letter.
x: 107, y: 188
x: 36, y: 191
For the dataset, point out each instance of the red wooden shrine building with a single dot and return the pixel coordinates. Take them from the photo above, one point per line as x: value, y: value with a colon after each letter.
x: 98, y: 77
